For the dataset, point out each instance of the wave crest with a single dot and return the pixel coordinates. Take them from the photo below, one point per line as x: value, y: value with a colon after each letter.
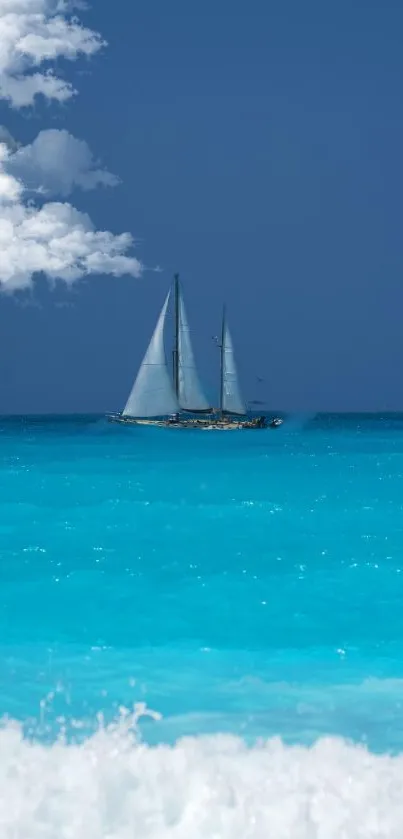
x: 112, y: 786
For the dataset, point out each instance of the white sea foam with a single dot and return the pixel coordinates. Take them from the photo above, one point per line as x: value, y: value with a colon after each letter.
x: 114, y: 787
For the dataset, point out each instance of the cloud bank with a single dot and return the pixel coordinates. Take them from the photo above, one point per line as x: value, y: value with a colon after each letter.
x: 32, y: 34
x: 53, y: 237
x: 56, y: 163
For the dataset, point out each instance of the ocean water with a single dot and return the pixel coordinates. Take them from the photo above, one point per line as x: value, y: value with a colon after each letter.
x: 201, y: 634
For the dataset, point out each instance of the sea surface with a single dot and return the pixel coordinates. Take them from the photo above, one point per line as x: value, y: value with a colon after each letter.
x: 201, y: 634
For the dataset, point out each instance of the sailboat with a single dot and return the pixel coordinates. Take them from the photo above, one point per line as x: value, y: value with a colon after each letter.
x: 178, y: 400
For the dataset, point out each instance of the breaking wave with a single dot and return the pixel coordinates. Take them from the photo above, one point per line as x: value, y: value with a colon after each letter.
x: 113, y: 786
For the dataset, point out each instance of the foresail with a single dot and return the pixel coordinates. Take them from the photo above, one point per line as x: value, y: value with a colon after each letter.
x: 232, y: 401
x: 190, y: 391
x: 152, y: 394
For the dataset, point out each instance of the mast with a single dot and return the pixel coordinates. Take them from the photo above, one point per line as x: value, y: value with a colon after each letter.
x: 222, y: 351
x: 175, y: 353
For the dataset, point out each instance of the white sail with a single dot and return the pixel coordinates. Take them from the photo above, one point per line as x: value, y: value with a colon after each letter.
x: 231, y: 399
x: 152, y: 394
x: 190, y: 391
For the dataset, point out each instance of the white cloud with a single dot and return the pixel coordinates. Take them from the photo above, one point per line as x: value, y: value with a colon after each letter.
x: 32, y: 34
x: 55, y: 239
x: 55, y: 163
x: 51, y: 238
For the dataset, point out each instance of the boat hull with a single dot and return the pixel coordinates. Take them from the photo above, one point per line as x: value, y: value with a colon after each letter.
x: 198, y: 424
x: 131, y: 421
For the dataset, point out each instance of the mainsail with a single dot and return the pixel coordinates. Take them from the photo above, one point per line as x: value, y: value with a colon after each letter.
x: 152, y: 394
x: 189, y: 390
x: 231, y: 399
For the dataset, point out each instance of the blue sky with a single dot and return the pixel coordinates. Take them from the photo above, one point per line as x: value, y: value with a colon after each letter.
x: 256, y: 148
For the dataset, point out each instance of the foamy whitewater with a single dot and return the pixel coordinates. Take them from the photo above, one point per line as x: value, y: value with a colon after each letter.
x: 201, y: 787
x: 201, y: 635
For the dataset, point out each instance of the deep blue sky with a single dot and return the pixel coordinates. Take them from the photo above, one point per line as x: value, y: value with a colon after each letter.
x: 260, y: 150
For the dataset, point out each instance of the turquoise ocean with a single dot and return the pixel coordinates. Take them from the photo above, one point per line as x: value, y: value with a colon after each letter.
x: 201, y: 634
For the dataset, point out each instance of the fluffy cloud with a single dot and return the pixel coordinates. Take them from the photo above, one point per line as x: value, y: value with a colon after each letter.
x: 52, y: 238
x: 55, y: 239
x: 32, y: 34
x: 55, y: 163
